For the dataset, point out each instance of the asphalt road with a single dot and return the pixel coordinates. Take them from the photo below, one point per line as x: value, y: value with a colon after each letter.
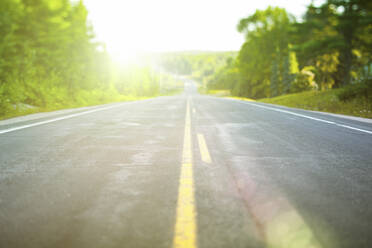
x: 110, y: 176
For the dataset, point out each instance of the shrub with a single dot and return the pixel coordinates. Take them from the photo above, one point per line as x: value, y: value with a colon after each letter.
x: 304, y: 81
x: 363, y: 89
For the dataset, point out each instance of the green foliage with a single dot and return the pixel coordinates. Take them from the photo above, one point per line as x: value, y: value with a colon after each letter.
x: 326, y: 65
x: 326, y: 101
x: 329, y: 48
x: 177, y: 63
x: 265, y: 60
x: 275, y: 76
x: 358, y: 90
x: 225, y: 77
x: 304, y: 81
x: 48, y: 60
x: 337, y: 27
x: 201, y: 66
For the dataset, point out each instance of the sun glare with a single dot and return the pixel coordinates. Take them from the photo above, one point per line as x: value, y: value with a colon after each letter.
x: 130, y: 28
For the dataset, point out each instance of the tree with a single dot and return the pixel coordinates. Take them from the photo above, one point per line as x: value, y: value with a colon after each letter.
x: 336, y: 27
x: 352, y: 16
x: 290, y: 69
x: 262, y: 58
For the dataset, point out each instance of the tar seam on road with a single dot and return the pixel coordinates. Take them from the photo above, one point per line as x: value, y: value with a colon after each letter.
x: 185, y: 228
x: 308, y: 117
x: 206, y: 158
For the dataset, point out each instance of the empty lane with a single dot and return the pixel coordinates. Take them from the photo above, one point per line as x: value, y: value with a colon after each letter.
x: 262, y: 176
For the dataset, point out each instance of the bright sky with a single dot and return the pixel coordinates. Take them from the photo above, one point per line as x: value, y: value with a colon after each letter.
x: 129, y: 27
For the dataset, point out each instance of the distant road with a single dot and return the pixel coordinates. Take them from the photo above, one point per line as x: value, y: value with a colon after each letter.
x: 186, y: 171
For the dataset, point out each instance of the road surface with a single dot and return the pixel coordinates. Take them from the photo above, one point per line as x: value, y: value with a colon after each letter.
x: 185, y: 171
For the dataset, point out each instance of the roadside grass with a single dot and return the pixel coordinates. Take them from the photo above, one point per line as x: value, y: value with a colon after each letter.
x: 226, y: 94
x: 21, y: 111
x: 169, y: 88
x: 325, y: 101
x: 223, y: 93
x: 241, y: 98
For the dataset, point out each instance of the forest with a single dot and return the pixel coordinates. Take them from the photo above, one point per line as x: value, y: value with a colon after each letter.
x: 49, y: 59
x: 200, y: 65
x: 329, y: 48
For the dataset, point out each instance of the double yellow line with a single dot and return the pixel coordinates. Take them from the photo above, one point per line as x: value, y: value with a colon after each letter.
x: 185, y: 229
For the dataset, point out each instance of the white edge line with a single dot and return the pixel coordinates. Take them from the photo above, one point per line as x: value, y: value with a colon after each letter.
x: 354, y: 128
x: 305, y: 116
x: 61, y: 118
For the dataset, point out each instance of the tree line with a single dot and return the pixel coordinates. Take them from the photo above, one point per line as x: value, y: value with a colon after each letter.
x: 329, y: 48
x: 200, y: 65
x: 49, y: 59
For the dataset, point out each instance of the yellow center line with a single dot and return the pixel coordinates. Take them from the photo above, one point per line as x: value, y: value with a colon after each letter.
x: 185, y: 229
x: 204, y: 149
